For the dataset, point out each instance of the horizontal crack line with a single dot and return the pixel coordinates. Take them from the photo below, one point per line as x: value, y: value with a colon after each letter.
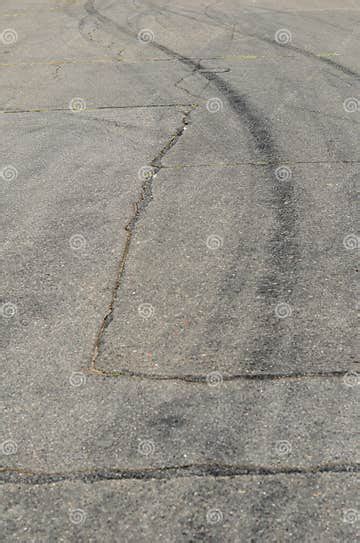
x: 124, y: 61
x: 256, y: 163
x: 59, y: 62
x: 232, y: 58
x: 49, y: 109
x: 204, y: 379
x: 20, y: 476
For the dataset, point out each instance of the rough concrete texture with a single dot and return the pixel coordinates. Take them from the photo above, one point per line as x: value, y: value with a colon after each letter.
x: 179, y: 270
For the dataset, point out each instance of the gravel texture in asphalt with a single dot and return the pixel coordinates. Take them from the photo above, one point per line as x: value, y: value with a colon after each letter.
x: 179, y: 270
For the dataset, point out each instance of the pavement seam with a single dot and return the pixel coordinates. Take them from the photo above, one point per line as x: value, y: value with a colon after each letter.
x: 259, y: 163
x: 124, y: 61
x: 98, y: 108
x: 204, y: 379
x: 29, y: 477
x: 139, y: 207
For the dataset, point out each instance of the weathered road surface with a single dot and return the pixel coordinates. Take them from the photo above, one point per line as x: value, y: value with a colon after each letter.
x: 179, y: 183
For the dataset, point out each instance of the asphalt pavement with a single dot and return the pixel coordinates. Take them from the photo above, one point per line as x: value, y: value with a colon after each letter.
x: 179, y: 270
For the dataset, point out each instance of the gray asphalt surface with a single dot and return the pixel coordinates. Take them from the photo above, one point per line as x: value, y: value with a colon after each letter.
x: 179, y: 280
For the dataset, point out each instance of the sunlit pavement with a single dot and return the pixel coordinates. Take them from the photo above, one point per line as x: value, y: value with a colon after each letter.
x: 179, y: 187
